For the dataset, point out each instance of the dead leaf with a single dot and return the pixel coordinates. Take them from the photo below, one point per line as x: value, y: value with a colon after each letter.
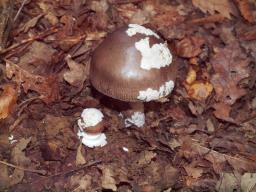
x: 144, y: 158
x: 48, y: 10
x: 191, y: 76
x: 19, y: 159
x: 47, y: 87
x: 78, y: 73
x: 244, y: 7
x: 228, y: 183
x: 194, y: 172
x: 38, y: 58
x: 80, y: 160
x: 107, y: 180
x: 199, y: 90
x: 81, y: 183
x: 192, y: 148
x: 223, y: 7
x: 222, y: 111
x: 18, y: 155
x: 248, y: 182
x: 30, y: 24
x: 8, y: 100
x: 189, y: 47
x: 230, y: 66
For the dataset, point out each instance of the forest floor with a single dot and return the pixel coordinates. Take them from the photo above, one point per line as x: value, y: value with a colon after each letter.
x: 203, y: 138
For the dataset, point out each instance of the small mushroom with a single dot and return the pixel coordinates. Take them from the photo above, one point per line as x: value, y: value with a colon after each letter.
x: 91, y: 126
x: 133, y: 64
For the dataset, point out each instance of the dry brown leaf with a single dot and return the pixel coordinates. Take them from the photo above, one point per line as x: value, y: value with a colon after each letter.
x: 222, y: 111
x: 189, y: 47
x: 78, y: 73
x: 48, y: 10
x: 223, y: 7
x: 81, y: 183
x: 191, y: 76
x: 199, y: 90
x: 30, y: 24
x: 19, y: 159
x: 194, y: 172
x: 107, y: 180
x: 245, y: 10
x: 191, y: 148
x: 248, y: 182
x: 80, y: 160
x: 18, y: 155
x: 47, y: 87
x: 38, y: 58
x: 216, y: 18
x: 8, y: 100
x: 228, y: 182
x: 145, y: 157
x: 230, y: 66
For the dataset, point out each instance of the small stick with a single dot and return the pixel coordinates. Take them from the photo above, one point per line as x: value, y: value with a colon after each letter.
x: 42, y: 172
x: 41, y: 35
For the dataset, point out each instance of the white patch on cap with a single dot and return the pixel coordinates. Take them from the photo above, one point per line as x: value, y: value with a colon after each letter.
x: 135, y: 28
x: 90, y: 117
x: 137, y: 118
x: 156, y: 56
x: 96, y: 140
x: 151, y: 94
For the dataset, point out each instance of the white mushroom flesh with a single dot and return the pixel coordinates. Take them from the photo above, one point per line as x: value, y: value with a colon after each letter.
x: 152, y: 94
x: 135, y: 28
x: 90, y: 117
x: 137, y: 118
x: 95, y: 140
x: 153, y: 57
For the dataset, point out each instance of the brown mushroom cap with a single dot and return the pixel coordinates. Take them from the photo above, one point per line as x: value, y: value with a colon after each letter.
x: 115, y: 68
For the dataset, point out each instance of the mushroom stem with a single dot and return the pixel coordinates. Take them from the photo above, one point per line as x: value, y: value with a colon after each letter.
x: 135, y: 115
x: 137, y: 106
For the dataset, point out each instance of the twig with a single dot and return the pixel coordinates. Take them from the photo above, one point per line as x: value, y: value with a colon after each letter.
x: 42, y: 172
x: 21, y: 7
x: 41, y: 35
x: 70, y: 171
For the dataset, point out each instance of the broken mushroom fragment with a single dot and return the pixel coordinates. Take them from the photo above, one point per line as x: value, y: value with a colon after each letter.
x: 133, y: 64
x: 91, y: 126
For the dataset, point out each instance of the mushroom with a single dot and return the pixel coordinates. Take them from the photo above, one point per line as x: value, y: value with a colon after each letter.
x: 91, y: 126
x: 133, y: 64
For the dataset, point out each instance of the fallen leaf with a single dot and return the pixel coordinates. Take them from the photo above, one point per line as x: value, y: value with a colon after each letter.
x: 8, y: 100
x: 228, y: 183
x: 78, y: 73
x: 230, y: 66
x: 80, y: 160
x: 30, y: 24
x: 81, y: 183
x: 18, y: 158
x: 189, y: 47
x: 199, y: 90
x: 49, y: 13
x: 107, y: 180
x: 244, y: 7
x: 38, y: 58
x: 194, y: 172
x: 222, y: 111
x: 248, y: 182
x: 192, y: 148
x: 144, y: 158
x: 224, y: 7
x: 47, y: 87
x: 191, y: 76
x: 18, y: 155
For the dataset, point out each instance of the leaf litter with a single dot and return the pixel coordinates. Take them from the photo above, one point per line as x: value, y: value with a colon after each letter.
x: 201, y: 139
